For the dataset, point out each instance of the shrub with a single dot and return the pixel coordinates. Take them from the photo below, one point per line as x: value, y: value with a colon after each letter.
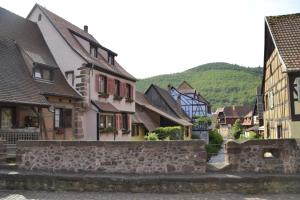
x: 215, y: 142
x: 151, y: 137
x: 253, y: 135
x: 171, y: 132
x: 237, y: 129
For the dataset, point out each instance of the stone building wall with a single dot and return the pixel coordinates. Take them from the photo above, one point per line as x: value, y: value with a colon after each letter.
x: 265, y: 156
x: 143, y: 157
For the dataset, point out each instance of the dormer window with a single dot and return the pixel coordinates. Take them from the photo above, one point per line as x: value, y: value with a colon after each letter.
x: 93, y: 51
x: 42, y: 73
x: 111, y: 59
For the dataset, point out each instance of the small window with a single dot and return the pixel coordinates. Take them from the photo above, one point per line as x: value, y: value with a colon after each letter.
x: 70, y: 77
x: 93, y: 51
x: 62, y: 118
x: 103, y: 84
x: 6, y: 116
x: 117, y: 88
x: 40, y: 17
x: 111, y: 59
x: 40, y: 73
x: 102, y: 121
x: 279, y: 131
x: 128, y: 91
x: 106, y: 121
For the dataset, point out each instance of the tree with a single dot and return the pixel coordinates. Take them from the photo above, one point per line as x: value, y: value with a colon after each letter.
x: 237, y: 129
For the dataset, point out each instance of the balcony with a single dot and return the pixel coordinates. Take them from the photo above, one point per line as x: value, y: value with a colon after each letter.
x: 11, y: 136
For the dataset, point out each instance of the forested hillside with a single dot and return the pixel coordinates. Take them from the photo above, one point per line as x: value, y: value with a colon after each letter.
x: 220, y: 83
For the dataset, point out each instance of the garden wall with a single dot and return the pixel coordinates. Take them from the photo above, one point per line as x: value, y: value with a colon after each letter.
x: 265, y: 156
x: 142, y: 157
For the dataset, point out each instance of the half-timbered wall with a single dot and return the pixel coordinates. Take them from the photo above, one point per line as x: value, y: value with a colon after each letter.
x: 276, y: 101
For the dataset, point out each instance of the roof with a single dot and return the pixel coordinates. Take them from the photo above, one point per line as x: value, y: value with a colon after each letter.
x: 33, y: 46
x: 171, y: 102
x: 285, y: 31
x: 69, y: 30
x: 186, y: 88
x: 141, y: 100
x: 16, y: 83
x: 142, y: 117
x: 105, y: 107
x: 236, y: 111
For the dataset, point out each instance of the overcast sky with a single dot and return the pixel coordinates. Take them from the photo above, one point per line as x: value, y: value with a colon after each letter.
x: 155, y: 37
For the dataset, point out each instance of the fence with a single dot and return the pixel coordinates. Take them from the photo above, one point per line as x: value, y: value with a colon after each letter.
x: 11, y: 136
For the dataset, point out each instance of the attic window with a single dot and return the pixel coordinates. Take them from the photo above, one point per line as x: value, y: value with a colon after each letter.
x: 111, y: 59
x: 41, y: 73
x: 40, y: 17
x: 93, y: 51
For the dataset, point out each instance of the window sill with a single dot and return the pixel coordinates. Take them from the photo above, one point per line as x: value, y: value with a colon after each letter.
x: 118, y: 98
x: 124, y: 131
x: 103, y: 95
x: 129, y: 100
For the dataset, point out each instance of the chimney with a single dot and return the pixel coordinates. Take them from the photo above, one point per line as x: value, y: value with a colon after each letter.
x: 86, y: 28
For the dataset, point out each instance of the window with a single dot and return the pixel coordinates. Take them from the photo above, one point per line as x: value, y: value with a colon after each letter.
x: 70, y: 77
x: 117, y: 88
x: 294, y: 84
x: 40, y: 73
x: 106, y: 121
x: 93, y: 51
x: 103, y: 84
x: 125, y: 121
x: 267, y: 102
x: 62, y: 118
x: 128, y: 91
x: 135, y: 130
x: 39, y: 17
x: 6, y: 118
x: 279, y: 131
x: 111, y: 59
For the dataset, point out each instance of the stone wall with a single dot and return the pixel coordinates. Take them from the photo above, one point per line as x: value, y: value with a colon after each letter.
x: 265, y: 156
x: 142, y: 157
x: 2, y: 152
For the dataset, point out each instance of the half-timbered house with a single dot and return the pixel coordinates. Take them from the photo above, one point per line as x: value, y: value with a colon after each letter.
x: 281, y: 79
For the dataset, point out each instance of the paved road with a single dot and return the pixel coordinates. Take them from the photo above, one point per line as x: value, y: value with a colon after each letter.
x: 32, y: 195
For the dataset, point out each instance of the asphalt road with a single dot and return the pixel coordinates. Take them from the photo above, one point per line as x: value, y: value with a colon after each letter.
x: 42, y: 195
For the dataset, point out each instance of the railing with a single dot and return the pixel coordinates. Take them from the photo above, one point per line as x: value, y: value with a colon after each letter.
x: 201, y: 127
x: 11, y: 136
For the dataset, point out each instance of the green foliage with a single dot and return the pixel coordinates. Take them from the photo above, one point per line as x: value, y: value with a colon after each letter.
x: 171, y: 132
x: 108, y: 130
x: 253, y: 135
x: 151, y: 137
x: 215, y: 142
x: 222, y: 84
x: 237, y: 129
x: 202, y: 120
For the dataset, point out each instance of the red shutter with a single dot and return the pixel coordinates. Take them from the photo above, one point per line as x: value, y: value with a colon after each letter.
x: 111, y: 86
x: 117, y: 121
x: 123, y: 89
x: 131, y: 91
x: 97, y: 83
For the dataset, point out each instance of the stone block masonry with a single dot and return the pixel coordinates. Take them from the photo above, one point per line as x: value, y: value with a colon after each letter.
x: 141, y: 157
x: 263, y: 156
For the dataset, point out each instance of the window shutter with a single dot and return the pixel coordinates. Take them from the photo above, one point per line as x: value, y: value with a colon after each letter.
x: 122, y: 89
x: 117, y: 121
x: 111, y: 86
x: 97, y: 83
x: 67, y: 118
x: 131, y: 91
x: 120, y: 121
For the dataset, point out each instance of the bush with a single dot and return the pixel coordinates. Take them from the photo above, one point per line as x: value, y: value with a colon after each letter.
x: 215, y: 142
x: 151, y: 137
x: 253, y: 135
x: 237, y: 129
x: 171, y: 132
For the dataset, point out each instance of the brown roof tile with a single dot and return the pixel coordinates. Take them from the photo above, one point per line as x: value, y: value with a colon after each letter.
x: 105, y: 107
x: 285, y: 30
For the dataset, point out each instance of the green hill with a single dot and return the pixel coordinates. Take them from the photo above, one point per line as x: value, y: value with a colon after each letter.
x: 221, y: 84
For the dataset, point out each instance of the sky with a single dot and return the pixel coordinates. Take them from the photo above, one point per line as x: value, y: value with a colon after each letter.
x: 154, y: 37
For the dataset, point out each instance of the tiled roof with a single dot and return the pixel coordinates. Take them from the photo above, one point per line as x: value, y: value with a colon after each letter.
x: 105, y: 107
x: 66, y: 28
x: 142, y: 100
x: 169, y: 100
x: 142, y: 117
x: 16, y: 83
x: 32, y: 45
x: 236, y: 111
x: 285, y: 30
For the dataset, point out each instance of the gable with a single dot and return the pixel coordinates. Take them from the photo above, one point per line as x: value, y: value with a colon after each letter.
x: 185, y: 86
